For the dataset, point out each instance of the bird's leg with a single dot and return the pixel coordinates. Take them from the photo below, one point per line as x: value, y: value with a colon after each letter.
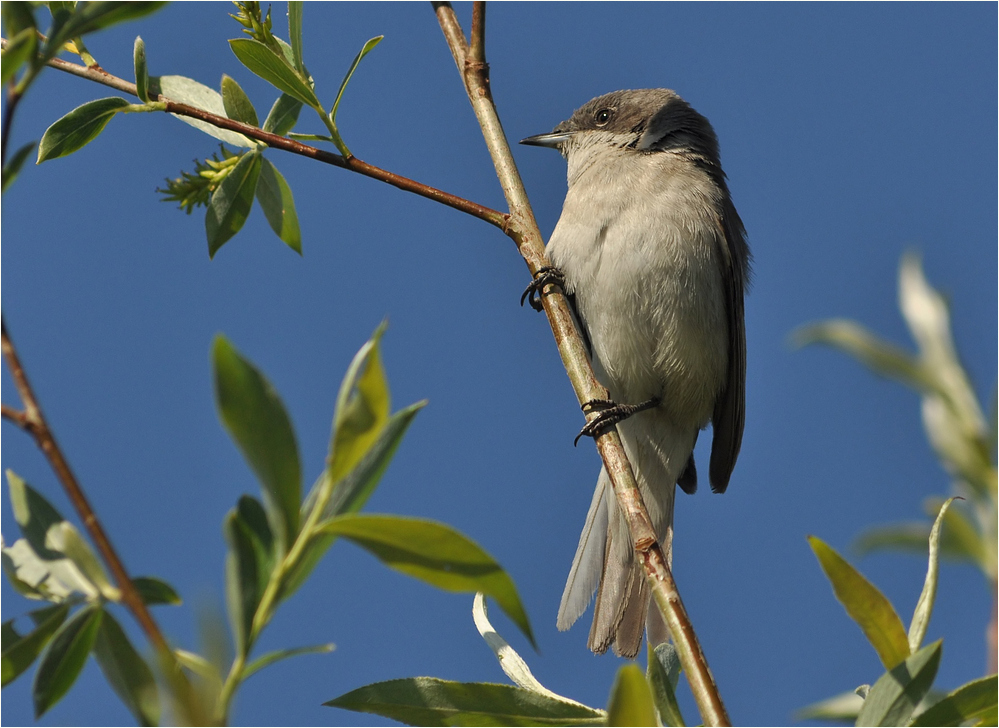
x: 611, y: 413
x: 547, y: 274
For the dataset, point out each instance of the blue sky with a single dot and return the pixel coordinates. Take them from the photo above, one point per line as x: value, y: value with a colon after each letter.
x: 850, y: 133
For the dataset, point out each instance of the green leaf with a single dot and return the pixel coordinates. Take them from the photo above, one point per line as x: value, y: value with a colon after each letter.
x: 274, y: 69
x: 434, y: 553
x: 78, y: 128
x: 427, y: 701
x: 924, y: 607
x: 295, y: 34
x: 19, y: 49
x: 127, y: 673
x: 365, y: 50
x: 156, y: 591
x: 188, y: 91
x: 13, y: 168
x: 92, y: 16
x: 231, y: 202
x: 970, y: 702
x: 631, y: 699
x: 283, y: 115
x: 271, y: 657
x: 65, y: 539
x: 274, y: 196
x: 255, y: 417
x: 312, y: 137
x: 895, y: 695
x: 662, y: 675
x: 17, y: 17
x: 54, y: 579
x: 64, y: 658
x: 249, y: 564
x: 238, y: 106
x: 141, y: 70
x: 33, y: 514
x: 362, y: 409
x: 865, y: 604
x: 18, y: 655
x: 844, y: 707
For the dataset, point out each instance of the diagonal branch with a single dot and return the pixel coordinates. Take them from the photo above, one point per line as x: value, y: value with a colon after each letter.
x: 524, y: 230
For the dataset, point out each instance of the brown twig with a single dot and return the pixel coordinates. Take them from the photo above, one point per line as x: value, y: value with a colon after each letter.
x: 524, y: 230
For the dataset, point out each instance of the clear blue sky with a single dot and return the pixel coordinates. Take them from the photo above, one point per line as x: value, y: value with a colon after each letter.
x: 850, y: 133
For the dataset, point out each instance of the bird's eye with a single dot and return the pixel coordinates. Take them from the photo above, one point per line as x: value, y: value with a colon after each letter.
x: 603, y: 116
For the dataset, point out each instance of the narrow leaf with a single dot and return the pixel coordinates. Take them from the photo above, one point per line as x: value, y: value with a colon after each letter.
x: 253, y: 414
x: 311, y: 137
x: 141, y: 70
x: 13, y: 167
x: 18, y: 656
x: 19, y: 49
x: 662, y: 675
x: 844, y: 707
x: 54, y: 578
x: 924, y: 607
x: 33, y: 514
x: 92, y: 16
x: 970, y: 702
x: 434, y: 553
x: 271, y: 657
x: 78, y: 128
x: 241, y: 581
x: 274, y: 196
x: 865, y: 604
x: 17, y: 17
x: 64, y: 538
x: 238, y: 106
x: 156, y: 591
x: 894, y: 697
x: 631, y: 699
x: 295, y: 34
x: 64, y: 658
x: 231, y: 202
x: 126, y: 672
x: 283, y: 115
x: 365, y: 50
x: 427, y: 701
x: 274, y: 69
x: 188, y: 91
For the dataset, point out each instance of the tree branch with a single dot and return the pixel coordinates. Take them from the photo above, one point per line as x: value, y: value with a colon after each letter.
x: 524, y: 230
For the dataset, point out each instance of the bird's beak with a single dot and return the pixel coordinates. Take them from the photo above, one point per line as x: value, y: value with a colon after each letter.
x: 552, y: 140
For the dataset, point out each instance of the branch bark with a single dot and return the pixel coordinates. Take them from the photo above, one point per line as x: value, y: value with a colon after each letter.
x: 524, y: 230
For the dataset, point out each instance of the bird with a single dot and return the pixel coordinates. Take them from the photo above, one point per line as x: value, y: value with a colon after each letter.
x: 653, y: 256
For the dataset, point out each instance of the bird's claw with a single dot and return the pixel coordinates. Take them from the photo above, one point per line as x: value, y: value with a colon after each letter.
x: 547, y: 274
x: 611, y: 413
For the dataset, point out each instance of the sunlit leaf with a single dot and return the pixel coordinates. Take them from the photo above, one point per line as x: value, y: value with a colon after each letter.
x: 924, y: 607
x: 273, y: 68
x: 894, y: 697
x: 126, y: 672
x: 255, y: 417
x: 283, y: 115
x: 970, y: 702
x: 64, y: 538
x: 295, y: 34
x: 33, y: 513
x: 141, y: 70
x: 271, y: 657
x: 19, y: 654
x: 663, y: 674
x: 427, y: 701
x: 435, y: 553
x: 231, y: 202
x: 188, y: 91
x: 54, y: 579
x: 238, y: 106
x: 843, y: 707
x: 78, y: 128
x: 865, y: 604
x: 64, y: 658
x: 365, y: 50
x: 631, y: 699
x: 274, y: 196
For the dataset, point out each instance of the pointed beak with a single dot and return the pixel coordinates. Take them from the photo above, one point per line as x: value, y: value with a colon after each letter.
x: 552, y: 140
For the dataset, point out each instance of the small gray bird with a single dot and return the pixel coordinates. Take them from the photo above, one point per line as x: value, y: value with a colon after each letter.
x: 653, y: 254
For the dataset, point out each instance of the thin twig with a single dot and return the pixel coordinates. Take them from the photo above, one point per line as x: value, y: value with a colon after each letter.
x: 477, y: 46
x: 524, y: 230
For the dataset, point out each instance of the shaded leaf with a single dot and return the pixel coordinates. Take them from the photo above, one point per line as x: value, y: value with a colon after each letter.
x: 295, y: 35
x: 970, y: 702
x: 274, y: 196
x: 283, y: 115
x: 365, y: 50
x: 253, y: 414
x: 64, y: 658
x: 242, y: 582
x: 662, y: 675
x: 924, y: 606
x: 78, y: 128
x: 141, y: 70
x: 271, y: 657
x: 865, y: 604
x: 126, y: 672
x: 188, y: 91
x: 427, y: 701
x: 434, y: 553
x: 156, y: 591
x: 17, y: 17
x: 19, y: 49
x: 92, y: 16
x: 13, y: 167
x: 274, y: 69
x: 631, y: 699
x: 21, y: 652
x: 231, y: 202
x: 237, y: 104
x: 894, y: 697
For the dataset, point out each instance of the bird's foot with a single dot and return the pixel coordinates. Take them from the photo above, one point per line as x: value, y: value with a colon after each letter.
x: 546, y: 275
x: 610, y: 414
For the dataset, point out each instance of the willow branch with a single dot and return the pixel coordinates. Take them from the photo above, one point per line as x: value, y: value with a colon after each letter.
x: 524, y: 230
